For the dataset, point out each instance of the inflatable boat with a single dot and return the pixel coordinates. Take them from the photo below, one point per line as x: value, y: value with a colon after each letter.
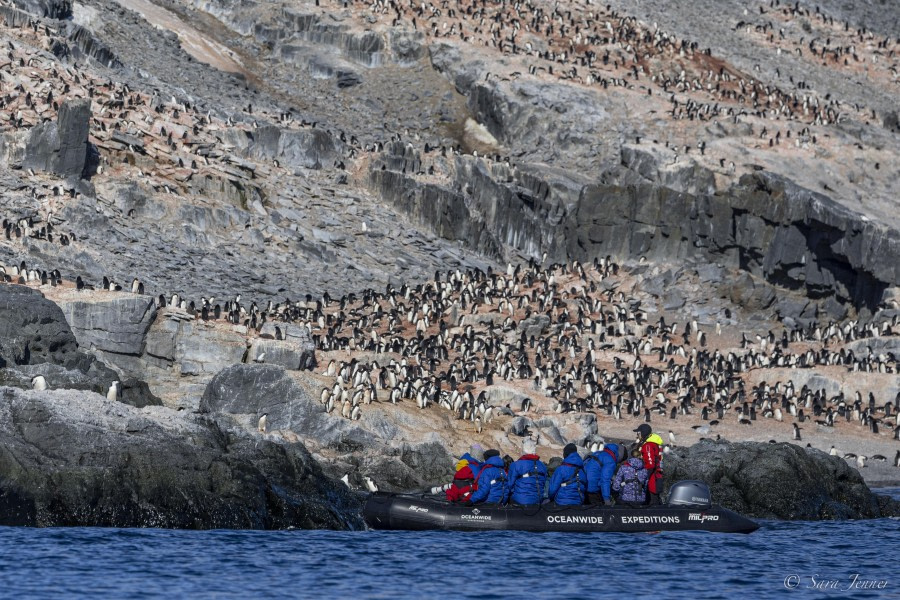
x: 688, y: 508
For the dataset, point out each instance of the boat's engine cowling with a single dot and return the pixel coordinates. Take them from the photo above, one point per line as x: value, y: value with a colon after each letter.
x: 689, y: 493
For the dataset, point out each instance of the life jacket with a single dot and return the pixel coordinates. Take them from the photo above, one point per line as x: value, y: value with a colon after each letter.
x: 460, y: 493
x: 656, y: 472
x: 617, y: 457
x: 485, y: 467
x: 634, y: 478
x: 575, y: 477
x: 534, y: 472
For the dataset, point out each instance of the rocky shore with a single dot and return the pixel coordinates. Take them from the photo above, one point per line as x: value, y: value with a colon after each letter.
x: 779, y: 481
x: 70, y: 455
x: 75, y: 452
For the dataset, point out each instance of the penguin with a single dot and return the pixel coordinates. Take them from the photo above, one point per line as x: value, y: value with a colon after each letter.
x: 38, y: 383
x: 370, y: 484
x: 797, y: 433
x: 262, y: 425
x: 113, y: 393
x: 833, y: 451
x: 346, y: 479
x: 671, y: 438
x: 861, y: 461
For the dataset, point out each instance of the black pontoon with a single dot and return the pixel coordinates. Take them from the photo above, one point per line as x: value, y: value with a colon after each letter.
x: 688, y: 508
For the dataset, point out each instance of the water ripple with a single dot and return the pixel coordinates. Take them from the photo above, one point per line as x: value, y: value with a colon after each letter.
x: 153, y: 563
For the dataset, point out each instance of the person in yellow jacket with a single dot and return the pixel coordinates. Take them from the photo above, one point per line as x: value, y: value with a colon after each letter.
x: 651, y: 454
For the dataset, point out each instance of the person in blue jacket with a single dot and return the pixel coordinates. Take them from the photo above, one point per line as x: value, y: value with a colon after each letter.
x: 600, y: 466
x: 527, y: 476
x: 491, y: 480
x: 569, y: 482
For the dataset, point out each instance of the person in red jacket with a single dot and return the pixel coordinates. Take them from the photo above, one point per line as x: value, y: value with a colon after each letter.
x: 462, y: 487
x: 651, y: 454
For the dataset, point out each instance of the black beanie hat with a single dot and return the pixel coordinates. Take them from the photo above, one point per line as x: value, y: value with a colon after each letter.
x: 644, y: 430
x: 489, y: 453
x: 569, y: 449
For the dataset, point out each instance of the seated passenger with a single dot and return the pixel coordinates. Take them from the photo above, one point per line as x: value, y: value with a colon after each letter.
x: 490, y: 482
x: 599, y: 466
x: 632, y: 480
x: 569, y: 482
x: 473, y: 457
x: 527, y: 476
x: 463, y: 485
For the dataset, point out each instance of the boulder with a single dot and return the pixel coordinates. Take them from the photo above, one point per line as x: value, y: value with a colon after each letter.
x: 778, y: 481
x: 70, y: 458
x: 61, y: 147
x: 32, y: 329
x: 534, y: 326
x: 136, y: 393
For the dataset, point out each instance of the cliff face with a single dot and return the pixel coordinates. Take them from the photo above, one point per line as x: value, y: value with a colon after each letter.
x: 763, y: 223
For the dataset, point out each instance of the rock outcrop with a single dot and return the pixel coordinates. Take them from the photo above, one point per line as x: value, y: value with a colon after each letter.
x: 53, y: 9
x: 61, y: 147
x: 778, y: 481
x: 32, y: 329
x: 171, y: 349
x: 309, y: 149
x: 764, y: 223
x: 158, y: 467
x: 71, y: 458
x: 405, y: 450
x: 36, y: 340
x: 117, y: 325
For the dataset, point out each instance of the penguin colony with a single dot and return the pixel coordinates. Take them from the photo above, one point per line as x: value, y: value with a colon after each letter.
x: 169, y: 142
x: 600, y: 353
x: 565, y: 335
x: 597, y: 46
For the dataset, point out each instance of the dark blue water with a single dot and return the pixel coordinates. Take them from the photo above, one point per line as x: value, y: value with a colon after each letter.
x: 143, y: 563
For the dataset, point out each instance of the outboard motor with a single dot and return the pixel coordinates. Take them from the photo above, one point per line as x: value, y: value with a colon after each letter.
x: 690, y: 493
